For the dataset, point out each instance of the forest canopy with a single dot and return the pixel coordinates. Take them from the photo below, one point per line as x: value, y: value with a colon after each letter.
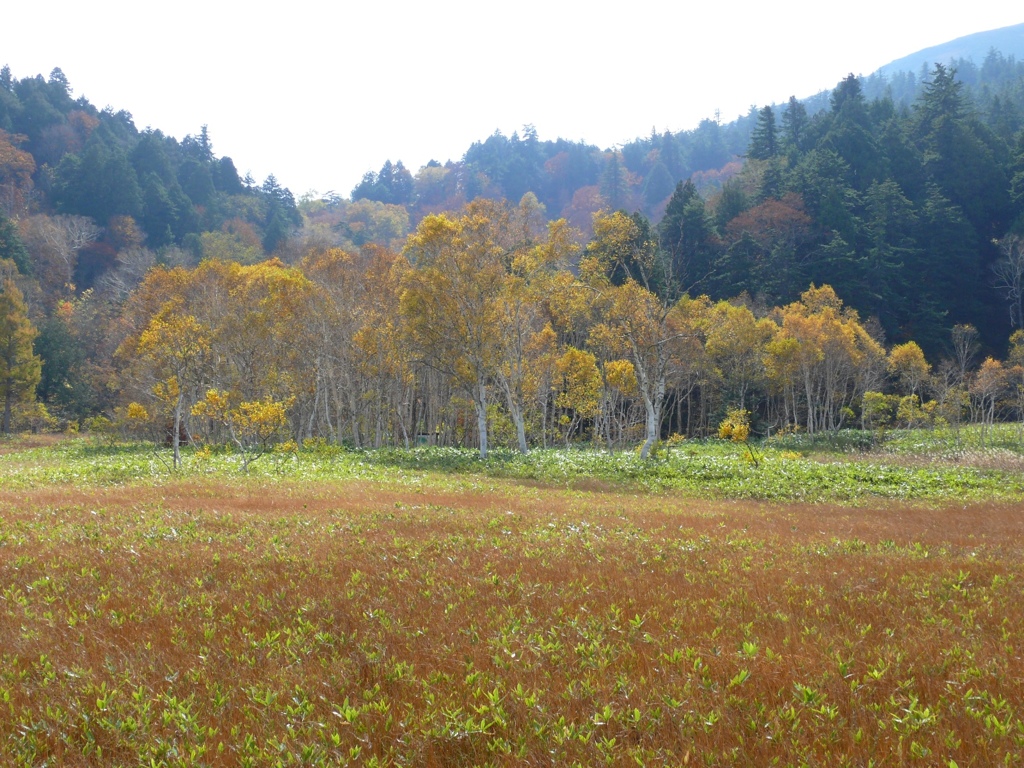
x: 533, y: 291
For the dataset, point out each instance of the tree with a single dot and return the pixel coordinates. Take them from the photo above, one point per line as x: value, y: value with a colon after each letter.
x: 657, y: 186
x: 964, y: 337
x: 364, y: 380
x: 282, y: 216
x: 55, y: 243
x: 20, y: 367
x: 519, y: 322
x: 656, y: 337
x: 16, y: 169
x: 615, y: 183
x: 579, y: 389
x: 175, y: 347
x: 623, y: 248
x: 889, y: 224
x: 99, y: 184
x: 1009, y: 274
x: 764, y: 142
x: 907, y: 364
x: 822, y: 360
x: 449, y: 299
x: 960, y: 155
x: 11, y: 246
x: 393, y: 185
x: 684, y: 238
x: 795, y: 127
x: 1015, y: 375
x: 736, y: 345
x: 850, y: 136
x: 986, y: 390
x: 62, y: 384
x: 253, y: 426
x: 769, y: 252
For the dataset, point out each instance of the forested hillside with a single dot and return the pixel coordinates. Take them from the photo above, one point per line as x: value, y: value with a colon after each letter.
x: 532, y: 291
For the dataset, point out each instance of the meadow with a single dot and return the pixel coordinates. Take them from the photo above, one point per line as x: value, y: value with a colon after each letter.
x: 800, y: 603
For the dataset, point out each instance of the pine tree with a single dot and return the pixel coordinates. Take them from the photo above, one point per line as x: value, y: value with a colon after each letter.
x: 764, y: 141
x: 795, y: 127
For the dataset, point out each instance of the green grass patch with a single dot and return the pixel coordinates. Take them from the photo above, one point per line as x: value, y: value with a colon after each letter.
x: 796, y: 468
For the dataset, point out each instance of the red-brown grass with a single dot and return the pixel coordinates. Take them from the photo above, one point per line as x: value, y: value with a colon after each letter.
x: 205, y: 623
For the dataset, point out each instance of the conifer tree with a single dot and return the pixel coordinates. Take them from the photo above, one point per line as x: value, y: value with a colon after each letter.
x: 764, y: 141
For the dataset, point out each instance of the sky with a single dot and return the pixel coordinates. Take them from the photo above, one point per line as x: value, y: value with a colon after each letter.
x: 320, y: 93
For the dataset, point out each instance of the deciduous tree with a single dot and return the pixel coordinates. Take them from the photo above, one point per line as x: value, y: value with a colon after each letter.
x: 19, y: 366
x: 449, y: 299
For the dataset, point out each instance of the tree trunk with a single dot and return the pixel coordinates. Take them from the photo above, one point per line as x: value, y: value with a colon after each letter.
x: 652, y: 428
x: 653, y: 407
x: 480, y: 401
x: 176, y: 437
x: 8, y: 399
x: 517, y: 418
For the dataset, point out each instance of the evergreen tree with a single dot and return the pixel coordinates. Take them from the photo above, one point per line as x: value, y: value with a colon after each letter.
x: 731, y: 202
x: 11, y: 246
x: 1016, y: 173
x: 961, y: 156
x: 282, y: 215
x: 62, y: 383
x: 150, y: 155
x: 764, y: 141
x: 99, y: 184
x: 672, y: 155
x: 821, y: 179
x: 160, y: 215
x: 225, y: 177
x: 657, y: 186
x: 889, y: 226
x: 795, y: 128
x: 850, y: 136
x: 684, y: 236
x: 906, y: 166
x: 614, y: 186
x: 196, y: 181
x: 707, y: 149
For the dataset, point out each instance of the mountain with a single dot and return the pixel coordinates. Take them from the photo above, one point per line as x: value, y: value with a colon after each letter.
x: 1007, y: 40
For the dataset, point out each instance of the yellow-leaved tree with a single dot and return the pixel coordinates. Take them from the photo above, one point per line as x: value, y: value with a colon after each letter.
x: 469, y: 300
x: 253, y: 426
x: 822, y: 360
x: 174, y: 353
x: 578, y: 389
x: 646, y: 318
x: 449, y: 301
x: 20, y: 367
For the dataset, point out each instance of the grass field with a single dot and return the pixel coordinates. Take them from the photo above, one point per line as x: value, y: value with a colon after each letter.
x: 816, y: 607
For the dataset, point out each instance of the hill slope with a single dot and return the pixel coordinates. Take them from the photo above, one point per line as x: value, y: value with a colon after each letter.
x: 1008, y: 40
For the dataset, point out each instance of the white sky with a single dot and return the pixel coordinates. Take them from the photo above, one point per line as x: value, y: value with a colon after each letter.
x: 319, y: 93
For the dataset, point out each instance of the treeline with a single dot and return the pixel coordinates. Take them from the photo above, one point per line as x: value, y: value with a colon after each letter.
x: 493, y: 326
x: 572, y: 180
x: 66, y: 165
x: 898, y: 200
x: 912, y: 213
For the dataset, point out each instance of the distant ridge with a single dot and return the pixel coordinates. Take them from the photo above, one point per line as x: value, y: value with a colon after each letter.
x: 1009, y: 41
